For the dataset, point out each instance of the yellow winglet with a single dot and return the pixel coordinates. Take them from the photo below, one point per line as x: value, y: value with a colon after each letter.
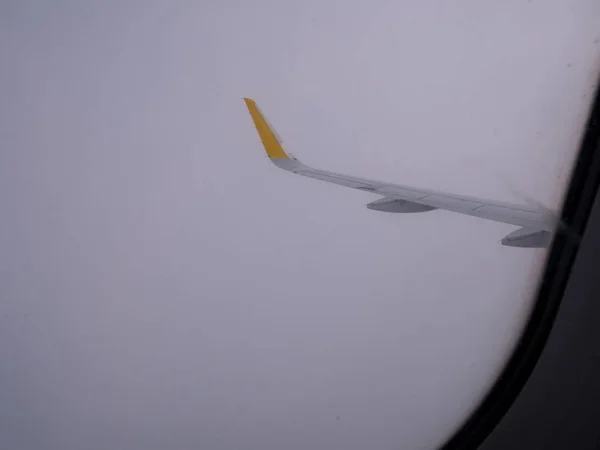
x: 266, y: 133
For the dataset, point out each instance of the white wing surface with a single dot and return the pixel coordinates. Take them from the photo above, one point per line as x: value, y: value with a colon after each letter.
x: 406, y: 199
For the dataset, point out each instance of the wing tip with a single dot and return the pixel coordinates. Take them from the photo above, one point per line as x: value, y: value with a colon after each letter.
x: 265, y: 131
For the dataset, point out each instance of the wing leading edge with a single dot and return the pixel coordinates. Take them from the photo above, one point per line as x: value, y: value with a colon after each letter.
x: 407, y: 199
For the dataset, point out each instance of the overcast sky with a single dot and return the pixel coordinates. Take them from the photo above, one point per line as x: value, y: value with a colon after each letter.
x: 164, y: 285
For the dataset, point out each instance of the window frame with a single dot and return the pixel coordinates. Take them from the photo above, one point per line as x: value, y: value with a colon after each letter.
x: 546, y: 396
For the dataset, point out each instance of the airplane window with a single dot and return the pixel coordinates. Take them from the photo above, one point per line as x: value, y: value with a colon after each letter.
x: 173, y: 277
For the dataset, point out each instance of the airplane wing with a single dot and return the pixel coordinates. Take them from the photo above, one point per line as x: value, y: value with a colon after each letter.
x: 406, y: 199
